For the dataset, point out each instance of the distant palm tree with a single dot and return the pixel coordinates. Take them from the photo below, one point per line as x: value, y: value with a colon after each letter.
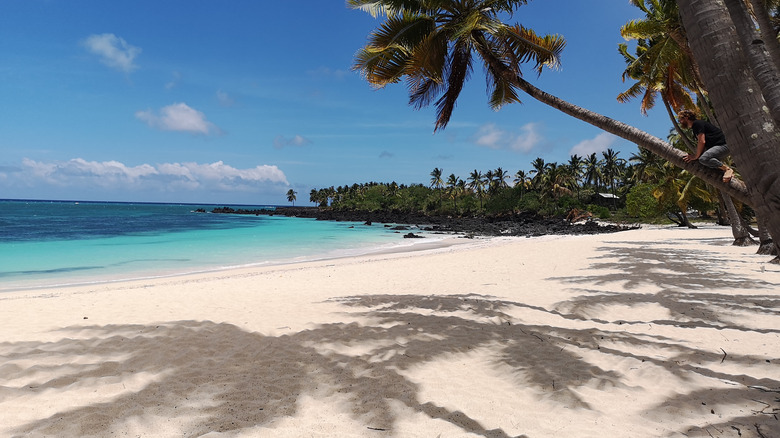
x: 437, y: 182
x: 476, y: 184
x: 593, y: 171
x: 291, y: 196
x: 645, y: 164
x: 453, y: 183
x: 521, y: 180
x: 537, y: 173
x: 613, y: 167
x: 575, y: 166
x: 489, y: 182
x: 501, y: 176
x: 556, y: 181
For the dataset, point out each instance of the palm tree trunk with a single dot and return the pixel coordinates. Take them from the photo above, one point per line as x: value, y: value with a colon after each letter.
x: 741, y: 234
x: 750, y: 131
x: 766, y: 245
x: 767, y: 30
x: 686, y: 221
x: 762, y: 65
x: 721, y: 212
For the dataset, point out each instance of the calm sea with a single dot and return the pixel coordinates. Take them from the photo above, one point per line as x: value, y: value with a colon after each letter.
x: 48, y: 243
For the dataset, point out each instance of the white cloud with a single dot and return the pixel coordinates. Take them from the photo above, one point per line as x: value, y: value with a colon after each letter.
x: 600, y: 143
x: 325, y: 72
x: 113, y: 51
x: 174, y: 82
x: 492, y: 137
x: 298, y: 140
x: 225, y: 99
x: 178, y: 117
x: 113, y: 175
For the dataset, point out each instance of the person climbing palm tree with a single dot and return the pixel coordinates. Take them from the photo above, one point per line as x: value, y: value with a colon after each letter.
x: 711, y: 145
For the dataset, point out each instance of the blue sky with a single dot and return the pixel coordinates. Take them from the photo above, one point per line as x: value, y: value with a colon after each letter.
x: 240, y: 101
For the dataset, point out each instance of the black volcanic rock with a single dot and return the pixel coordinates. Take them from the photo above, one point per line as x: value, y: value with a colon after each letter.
x: 510, y: 224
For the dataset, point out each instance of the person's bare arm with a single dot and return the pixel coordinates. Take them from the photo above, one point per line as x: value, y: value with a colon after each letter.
x: 699, y: 149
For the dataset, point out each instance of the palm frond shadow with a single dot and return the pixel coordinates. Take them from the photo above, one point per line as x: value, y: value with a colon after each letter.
x: 637, y: 264
x: 227, y: 379
x: 684, y: 280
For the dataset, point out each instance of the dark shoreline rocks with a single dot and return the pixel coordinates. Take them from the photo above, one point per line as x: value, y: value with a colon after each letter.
x: 514, y: 224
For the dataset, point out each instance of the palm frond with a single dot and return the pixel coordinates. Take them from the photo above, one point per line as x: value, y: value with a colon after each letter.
x: 640, y: 29
x: 406, y: 29
x: 423, y: 90
x: 429, y: 56
x: 381, y: 67
x: 387, y: 8
x: 527, y: 46
x: 502, y: 92
x: 390, y: 48
x: 458, y: 70
x: 633, y: 92
x: 507, y: 6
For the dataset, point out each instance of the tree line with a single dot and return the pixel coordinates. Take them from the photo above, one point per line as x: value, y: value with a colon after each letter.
x: 642, y: 187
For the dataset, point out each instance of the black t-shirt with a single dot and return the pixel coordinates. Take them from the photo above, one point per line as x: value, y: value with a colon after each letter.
x: 713, y: 136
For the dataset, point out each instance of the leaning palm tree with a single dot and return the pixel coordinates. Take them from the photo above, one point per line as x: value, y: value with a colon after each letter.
x: 432, y: 44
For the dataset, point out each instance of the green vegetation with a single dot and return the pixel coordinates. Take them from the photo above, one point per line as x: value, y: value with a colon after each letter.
x: 642, y: 188
x: 292, y: 196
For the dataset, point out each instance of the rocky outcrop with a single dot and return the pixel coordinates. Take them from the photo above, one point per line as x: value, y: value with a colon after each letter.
x: 514, y: 224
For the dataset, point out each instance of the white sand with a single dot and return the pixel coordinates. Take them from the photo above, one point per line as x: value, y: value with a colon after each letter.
x: 648, y: 333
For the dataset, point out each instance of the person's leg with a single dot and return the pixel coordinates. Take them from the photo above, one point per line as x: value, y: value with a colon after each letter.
x: 711, y: 158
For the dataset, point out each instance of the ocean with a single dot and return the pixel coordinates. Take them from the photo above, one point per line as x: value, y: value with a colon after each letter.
x: 58, y: 243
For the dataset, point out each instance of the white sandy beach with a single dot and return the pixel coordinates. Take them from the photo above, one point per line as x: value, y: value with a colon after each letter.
x: 648, y: 333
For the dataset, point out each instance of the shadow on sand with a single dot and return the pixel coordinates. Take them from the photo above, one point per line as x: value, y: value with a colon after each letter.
x: 221, y: 378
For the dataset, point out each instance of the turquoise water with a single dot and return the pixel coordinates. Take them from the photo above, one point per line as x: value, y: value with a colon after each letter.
x: 61, y: 243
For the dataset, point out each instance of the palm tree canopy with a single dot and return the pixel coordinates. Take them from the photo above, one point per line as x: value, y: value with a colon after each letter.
x: 432, y: 44
x: 436, y: 180
x: 663, y: 63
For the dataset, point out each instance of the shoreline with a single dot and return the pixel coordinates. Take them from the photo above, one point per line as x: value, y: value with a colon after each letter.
x: 651, y: 332
x: 414, y: 246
